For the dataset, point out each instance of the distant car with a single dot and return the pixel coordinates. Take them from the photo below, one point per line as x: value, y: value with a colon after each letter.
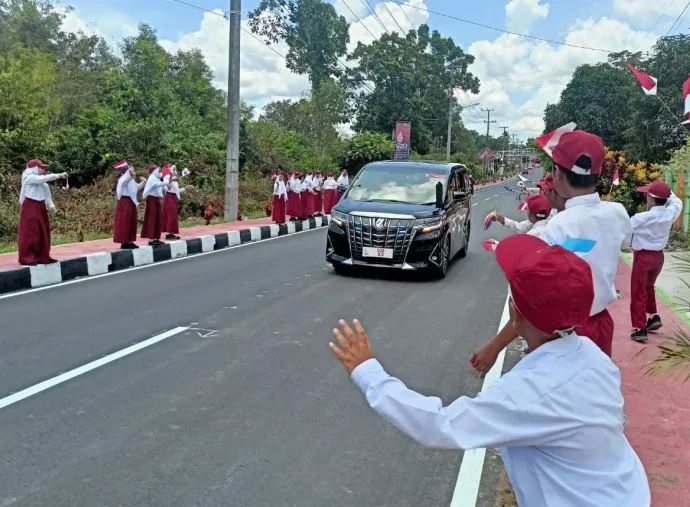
x: 525, y: 171
x: 408, y: 215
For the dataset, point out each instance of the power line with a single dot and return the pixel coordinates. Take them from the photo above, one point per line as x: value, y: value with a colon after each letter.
x: 678, y: 18
x: 373, y: 11
x: 358, y: 19
x: 199, y: 8
x: 663, y: 13
x: 402, y: 31
x: 408, y: 17
x: 495, y: 28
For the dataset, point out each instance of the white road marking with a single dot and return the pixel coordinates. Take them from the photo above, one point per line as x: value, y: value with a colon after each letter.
x: 488, y: 199
x: 129, y: 270
x: 474, y: 204
x: 52, y: 382
x: 470, y: 474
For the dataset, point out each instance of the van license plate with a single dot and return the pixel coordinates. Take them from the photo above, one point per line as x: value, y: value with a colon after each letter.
x: 381, y: 253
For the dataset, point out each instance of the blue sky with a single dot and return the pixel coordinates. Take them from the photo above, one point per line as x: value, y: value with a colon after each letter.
x: 519, y: 75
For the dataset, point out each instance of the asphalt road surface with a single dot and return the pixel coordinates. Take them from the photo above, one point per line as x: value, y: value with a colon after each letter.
x: 247, y: 407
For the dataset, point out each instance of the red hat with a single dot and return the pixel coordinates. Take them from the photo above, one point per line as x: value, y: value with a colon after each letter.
x: 658, y: 189
x: 35, y: 163
x: 580, y: 152
x: 152, y: 168
x: 167, y: 170
x: 550, y: 286
x: 546, y: 183
x: 538, y: 205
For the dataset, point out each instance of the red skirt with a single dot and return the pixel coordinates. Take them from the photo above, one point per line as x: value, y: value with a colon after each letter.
x: 599, y: 329
x: 278, y: 211
x: 307, y: 199
x: 330, y: 199
x: 125, y: 229
x: 170, y: 215
x: 152, y: 218
x: 34, y: 233
x: 294, y: 204
x: 318, y: 201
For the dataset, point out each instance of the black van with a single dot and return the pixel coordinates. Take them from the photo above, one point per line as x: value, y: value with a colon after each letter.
x: 410, y: 215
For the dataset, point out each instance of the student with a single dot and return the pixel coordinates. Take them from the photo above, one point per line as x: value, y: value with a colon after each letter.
x: 294, y: 206
x: 153, y: 194
x: 556, y: 201
x: 171, y: 202
x: 557, y: 415
x: 578, y: 158
x: 538, y: 210
x: 306, y: 197
x: 36, y: 200
x: 279, y: 199
x: 125, y: 228
x: 318, y: 193
x: 650, y: 230
x: 330, y: 194
x: 343, y: 182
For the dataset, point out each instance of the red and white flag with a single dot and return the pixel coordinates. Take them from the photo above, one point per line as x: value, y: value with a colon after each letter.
x: 647, y: 82
x: 616, y: 179
x: 547, y: 141
x: 686, y: 98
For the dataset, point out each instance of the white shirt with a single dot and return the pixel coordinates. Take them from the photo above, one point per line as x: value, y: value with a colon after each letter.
x: 343, y: 180
x: 295, y: 185
x: 154, y: 185
x: 279, y: 189
x: 651, y: 228
x: 174, y: 188
x: 126, y: 186
x: 35, y: 186
x: 557, y: 416
x: 608, y: 224
x: 330, y: 184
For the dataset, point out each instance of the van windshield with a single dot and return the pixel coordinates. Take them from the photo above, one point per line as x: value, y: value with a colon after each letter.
x: 391, y: 183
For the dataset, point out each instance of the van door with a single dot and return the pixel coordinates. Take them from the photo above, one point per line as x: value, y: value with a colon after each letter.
x: 454, y: 215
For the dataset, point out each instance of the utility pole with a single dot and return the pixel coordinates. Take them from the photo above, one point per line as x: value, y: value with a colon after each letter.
x: 488, y: 122
x: 232, y: 157
x: 505, y: 138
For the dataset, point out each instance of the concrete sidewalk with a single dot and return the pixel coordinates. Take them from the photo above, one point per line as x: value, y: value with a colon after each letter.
x: 657, y: 408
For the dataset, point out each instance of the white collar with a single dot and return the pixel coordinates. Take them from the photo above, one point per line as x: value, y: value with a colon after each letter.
x: 558, y: 347
x: 583, y: 200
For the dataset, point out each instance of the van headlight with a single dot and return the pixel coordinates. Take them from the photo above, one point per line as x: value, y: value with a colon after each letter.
x: 339, y: 218
x: 428, y: 225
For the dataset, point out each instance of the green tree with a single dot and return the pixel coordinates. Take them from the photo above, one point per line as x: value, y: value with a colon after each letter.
x: 363, y: 148
x: 411, y: 77
x: 316, y: 36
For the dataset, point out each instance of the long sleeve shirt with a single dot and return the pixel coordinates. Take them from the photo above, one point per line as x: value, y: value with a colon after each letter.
x: 128, y: 187
x: 557, y: 416
x: 35, y: 186
x: 174, y: 188
x: 608, y: 224
x: 650, y: 229
x: 154, y: 186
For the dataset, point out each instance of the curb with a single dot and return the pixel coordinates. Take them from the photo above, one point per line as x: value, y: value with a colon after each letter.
x: 107, y: 262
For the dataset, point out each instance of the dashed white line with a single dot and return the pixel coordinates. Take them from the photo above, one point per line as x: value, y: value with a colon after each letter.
x: 470, y: 474
x: 80, y: 370
x: 474, y: 204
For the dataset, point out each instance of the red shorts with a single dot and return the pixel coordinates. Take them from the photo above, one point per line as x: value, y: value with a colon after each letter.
x: 599, y: 329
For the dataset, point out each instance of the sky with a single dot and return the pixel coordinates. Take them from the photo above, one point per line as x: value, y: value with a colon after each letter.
x: 519, y: 75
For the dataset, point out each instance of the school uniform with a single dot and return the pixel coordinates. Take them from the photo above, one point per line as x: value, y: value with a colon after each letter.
x: 294, y: 206
x: 36, y: 199
x: 279, y: 201
x: 125, y: 226
x: 330, y: 194
x: 153, y: 194
x: 650, y: 231
x: 557, y: 416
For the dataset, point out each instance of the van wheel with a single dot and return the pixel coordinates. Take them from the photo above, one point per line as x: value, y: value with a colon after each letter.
x: 441, y: 270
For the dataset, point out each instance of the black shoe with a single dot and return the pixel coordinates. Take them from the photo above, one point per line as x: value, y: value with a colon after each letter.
x: 129, y: 246
x: 639, y: 335
x: 653, y: 323
x: 156, y: 242
x: 171, y: 236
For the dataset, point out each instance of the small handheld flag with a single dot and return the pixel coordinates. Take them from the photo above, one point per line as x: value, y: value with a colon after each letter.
x: 647, y: 82
x: 616, y: 179
x: 686, y: 98
x: 185, y: 172
x: 523, y: 206
x: 489, y: 245
x: 578, y: 245
x: 489, y: 219
x: 547, y: 141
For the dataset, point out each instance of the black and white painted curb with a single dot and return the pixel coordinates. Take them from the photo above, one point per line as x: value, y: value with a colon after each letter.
x: 497, y: 184
x: 107, y: 262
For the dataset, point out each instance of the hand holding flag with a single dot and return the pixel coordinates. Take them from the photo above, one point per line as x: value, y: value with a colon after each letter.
x: 489, y: 219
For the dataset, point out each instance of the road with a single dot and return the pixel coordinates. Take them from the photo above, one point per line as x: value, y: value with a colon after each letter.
x: 247, y: 408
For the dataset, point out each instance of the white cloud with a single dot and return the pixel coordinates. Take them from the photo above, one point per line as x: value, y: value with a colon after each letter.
x: 532, y: 74
x: 109, y: 24
x: 520, y: 14
x: 408, y: 17
x: 263, y: 74
x: 644, y: 9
